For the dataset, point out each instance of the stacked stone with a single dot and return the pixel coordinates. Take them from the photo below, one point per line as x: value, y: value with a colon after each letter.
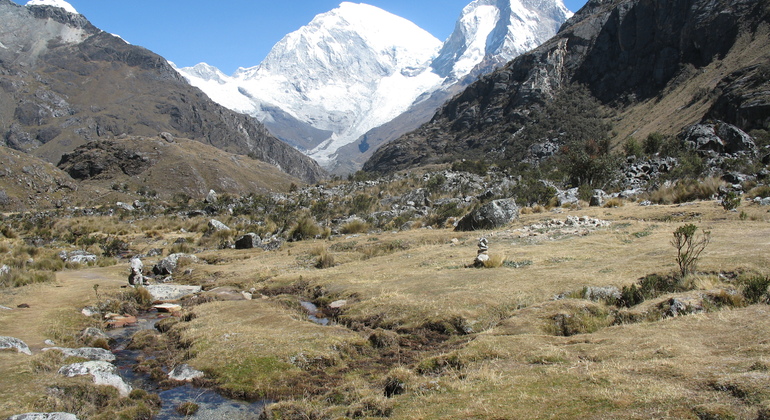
x: 483, y: 254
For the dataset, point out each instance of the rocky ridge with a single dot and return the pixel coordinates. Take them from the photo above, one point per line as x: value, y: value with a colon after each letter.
x: 64, y: 82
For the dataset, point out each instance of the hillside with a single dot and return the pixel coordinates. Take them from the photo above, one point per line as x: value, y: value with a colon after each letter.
x: 653, y: 66
x: 64, y: 82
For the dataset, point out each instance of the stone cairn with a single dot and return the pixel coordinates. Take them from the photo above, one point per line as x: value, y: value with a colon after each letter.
x: 483, y: 254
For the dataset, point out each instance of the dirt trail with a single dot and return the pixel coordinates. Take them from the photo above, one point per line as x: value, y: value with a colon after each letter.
x: 69, y: 294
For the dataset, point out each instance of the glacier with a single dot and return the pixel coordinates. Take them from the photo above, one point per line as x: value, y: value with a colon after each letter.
x: 357, y: 67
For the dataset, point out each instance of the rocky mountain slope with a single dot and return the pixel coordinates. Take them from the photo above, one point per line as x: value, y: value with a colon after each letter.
x: 64, y: 82
x: 650, y: 65
x: 362, y: 69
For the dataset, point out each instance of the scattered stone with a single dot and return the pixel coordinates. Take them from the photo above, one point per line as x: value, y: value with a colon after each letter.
x: 211, y: 197
x: 248, y: 241
x: 90, y: 311
x: 168, y: 307
x: 89, y: 353
x: 171, y: 292
x: 184, y: 373
x: 11, y: 343
x: 273, y: 244
x: 217, y: 226
x: 104, y: 373
x: 120, y: 321
x: 44, y: 416
x: 135, y: 277
x: 601, y: 293
x: 168, y: 137
x: 492, y: 215
x: 338, y: 304
x: 762, y: 201
x: 77, y: 257
x: 91, y: 333
x: 4, y: 270
x: 49, y: 342
x: 168, y: 265
x: 125, y: 206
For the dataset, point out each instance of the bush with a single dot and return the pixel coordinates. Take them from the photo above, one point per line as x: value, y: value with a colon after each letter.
x: 632, y: 147
x: 306, y: 228
x: 755, y: 289
x: 731, y: 201
x: 653, y: 143
x: 689, y: 246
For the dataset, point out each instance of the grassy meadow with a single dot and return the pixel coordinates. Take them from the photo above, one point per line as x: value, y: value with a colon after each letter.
x: 421, y: 335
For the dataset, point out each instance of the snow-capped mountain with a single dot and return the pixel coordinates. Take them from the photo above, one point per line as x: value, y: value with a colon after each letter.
x: 55, y: 3
x: 493, y: 32
x: 358, y: 67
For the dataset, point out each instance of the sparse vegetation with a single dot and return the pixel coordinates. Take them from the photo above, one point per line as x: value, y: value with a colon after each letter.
x: 689, y: 245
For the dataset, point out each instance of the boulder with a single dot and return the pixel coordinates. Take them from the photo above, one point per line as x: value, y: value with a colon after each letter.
x: 135, y: 277
x: 77, y: 257
x: 211, y: 197
x: 11, y: 343
x: 89, y: 353
x: 492, y: 215
x: 103, y: 373
x: 44, y: 416
x: 170, y: 292
x: 91, y: 333
x: 184, y: 373
x: 248, y: 241
x: 168, y: 307
x: 717, y: 138
x: 124, y: 206
x: 168, y: 265
x: 217, y: 226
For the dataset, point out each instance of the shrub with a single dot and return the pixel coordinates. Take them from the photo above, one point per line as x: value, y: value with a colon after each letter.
x: 325, y: 260
x: 494, y: 261
x: 731, y: 201
x: 755, y: 289
x: 355, y: 226
x: 632, y: 147
x: 689, y: 246
x: 653, y: 143
x: 306, y: 228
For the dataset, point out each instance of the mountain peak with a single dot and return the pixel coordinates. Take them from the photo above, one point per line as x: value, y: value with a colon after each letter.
x: 496, y: 31
x: 54, y: 3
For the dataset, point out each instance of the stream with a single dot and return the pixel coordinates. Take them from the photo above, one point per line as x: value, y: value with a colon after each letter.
x: 212, y: 406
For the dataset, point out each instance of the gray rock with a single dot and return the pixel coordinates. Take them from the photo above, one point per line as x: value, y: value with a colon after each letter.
x: 125, y: 206
x: 77, y: 257
x: 135, y: 277
x: 216, y: 226
x: 168, y: 137
x: 717, y: 138
x: 248, y: 241
x: 601, y: 293
x: 44, y: 416
x: 92, y: 333
x: 4, y: 269
x: 89, y: 353
x: 184, y: 373
x: 211, y: 197
x: 103, y: 373
x: 569, y: 196
x: 8, y: 343
x: 168, y: 265
x: 762, y: 201
x: 169, y: 292
x: 492, y: 215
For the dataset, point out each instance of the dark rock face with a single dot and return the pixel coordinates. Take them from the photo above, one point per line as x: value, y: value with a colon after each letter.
x: 102, y: 158
x: 86, y: 84
x: 492, y: 215
x: 622, y: 51
x: 248, y: 241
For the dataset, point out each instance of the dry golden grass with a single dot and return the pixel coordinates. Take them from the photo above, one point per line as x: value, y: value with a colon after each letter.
x: 462, y: 342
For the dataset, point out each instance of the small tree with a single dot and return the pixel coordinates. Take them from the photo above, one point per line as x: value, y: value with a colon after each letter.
x: 689, y: 246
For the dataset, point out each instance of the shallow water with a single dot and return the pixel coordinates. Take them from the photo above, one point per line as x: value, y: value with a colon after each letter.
x: 312, y: 313
x: 212, y: 406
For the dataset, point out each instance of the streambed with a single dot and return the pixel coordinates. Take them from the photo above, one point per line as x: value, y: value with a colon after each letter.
x: 212, y: 406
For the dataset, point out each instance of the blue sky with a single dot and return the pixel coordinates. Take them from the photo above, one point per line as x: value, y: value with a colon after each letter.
x: 239, y: 33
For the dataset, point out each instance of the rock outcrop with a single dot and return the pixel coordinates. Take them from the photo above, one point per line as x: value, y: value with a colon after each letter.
x: 492, y: 215
x: 624, y: 53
